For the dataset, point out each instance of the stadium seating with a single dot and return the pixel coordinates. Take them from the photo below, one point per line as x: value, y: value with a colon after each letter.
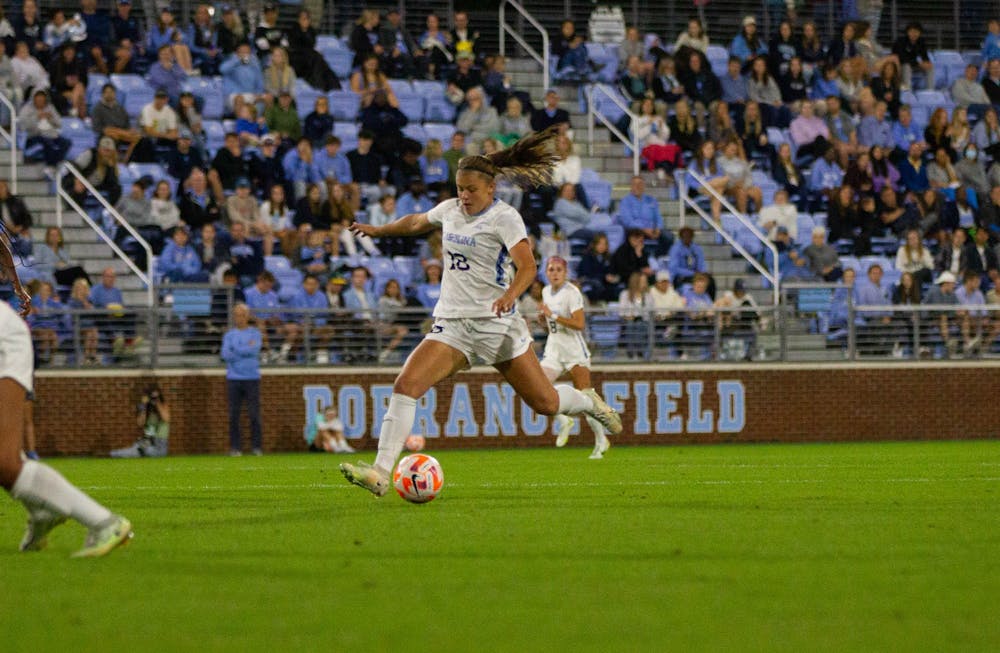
x: 136, y: 92
x: 305, y: 100
x: 417, y: 132
x: 438, y: 109
x: 412, y: 106
x: 209, y: 91
x: 81, y: 136
x: 344, y: 105
x: 442, y: 132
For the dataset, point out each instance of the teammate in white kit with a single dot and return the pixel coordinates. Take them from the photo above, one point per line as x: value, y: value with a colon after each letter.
x: 488, y: 265
x: 565, y: 350
x: 49, y: 498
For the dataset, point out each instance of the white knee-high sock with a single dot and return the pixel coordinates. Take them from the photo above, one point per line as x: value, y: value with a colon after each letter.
x: 572, y: 401
x: 395, y: 429
x: 40, y: 486
x: 597, y: 428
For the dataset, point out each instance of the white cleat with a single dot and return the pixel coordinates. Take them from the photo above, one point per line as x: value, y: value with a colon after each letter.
x: 603, y: 413
x: 600, y: 448
x: 367, y: 476
x: 40, y: 524
x: 115, y: 532
x: 564, y: 425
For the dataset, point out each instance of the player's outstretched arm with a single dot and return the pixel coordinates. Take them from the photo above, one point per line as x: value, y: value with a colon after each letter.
x: 413, y: 224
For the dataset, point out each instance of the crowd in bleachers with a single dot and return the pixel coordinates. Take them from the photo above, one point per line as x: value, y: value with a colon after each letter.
x: 250, y: 149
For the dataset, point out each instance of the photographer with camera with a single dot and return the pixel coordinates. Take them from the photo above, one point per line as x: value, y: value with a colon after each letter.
x: 153, y: 417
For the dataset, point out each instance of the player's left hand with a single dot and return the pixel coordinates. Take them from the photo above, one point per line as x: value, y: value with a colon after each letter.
x: 503, y: 305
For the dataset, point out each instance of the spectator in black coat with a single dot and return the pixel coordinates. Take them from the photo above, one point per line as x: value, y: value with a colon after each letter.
x: 386, y: 122
x: 911, y: 48
x: 702, y: 87
x: 309, y: 65
x: 550, y: 114
x: 364, y: 36
x: 197, y: 206
x: 400, y: 50
x: 630, y: 256
x: 598, y: 279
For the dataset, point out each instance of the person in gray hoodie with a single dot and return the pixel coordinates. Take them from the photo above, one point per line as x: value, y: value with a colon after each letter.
x: 41, y: 123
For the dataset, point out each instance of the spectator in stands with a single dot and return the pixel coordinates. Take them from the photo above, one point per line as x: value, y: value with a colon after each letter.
x: 437, y: 45
x: 875, y: 129
x: 231, y: 31
x: 366, y: 168
x: 971, y: 172
x: 197, y: 205
x: 943, y: 293
x: 693, y: 37
x: 301, y: 168
x: 809, y: 132
x: 386, y: 122
x: 938, y: 132
x: 667, y: 88
x: 911, y: 48
x: 179, y: 263
x: 68, y: 75
x: 753, y: 134
x: 79, y: 302
x: 159, y: 124
x: 631, y: 256
x: 184, y: 158
x: 241, y: 347
x: 243, y: 207
x: 166, y: 32
x: 960, y: 131
x: 893, y: 215
x: 906, y: 293
x: 734, y: 85
x: 249, y: 127
x: 821, y: 257
x: 312, y: 321
x: 368, y: 79
x: 335, y: 169
x: 314, y: 255
x: 914, y: 258
x: 28, y: 28
x: 279, y: 76
x: 845, y: 221
x: 100, y: 166
x: 882, y: 172
x: 573, y: 64
x: 44, y: 320
x: 974, y: 319
x: 780, y: 214
x: 463, y: 38
x: 885, y: 88
x: 308, y: 63
x: 513, y: 123
x: 781, y: 49
x: 941, y: 173
x: 569, y: 167
x: 720, y: 125
x: 982, y: 259
x: 653, y: 135
x: 364, y: 36
x: 748, y: 44
x: 310, y: 210
x: 739, y: 181
x: 686, y: 259
x: 664, y: 300
x: 268, y: 35
x: 641, y: 211
x: 905, y: 133
x: 967, y: 92
x: 136, y: 208
x: 706, y: 166
x: 107, y: 296
x: 697, y: 298
x: 189, y: 118
x: 41, y: 122
x: 991, y: 81
x: 203, y: 41
x: 858, y: 175
x: 913, y: 171
x: 29, y: 75
x: 991, y: 43
x: 319, y: 123
x: 633, y: 306
x: 242, y: 78
x: 794, y: 86
x: 702, y: 87
x: 843, y: 134
x: 986, y: 133
x: 429, y: 291
x: 479, y: 121
x: 950, y: 256
x: 597, y: 276
x: 684, y: 128
x: 634, y: 82
x: 51, y: 261
x: 763, y: 89
x: 59, y: 30
x: 872, y: 292
x: 788, y: 176
x: 550, y: 114
x: 16, y: 220
x: 262, y: 301
x: 570, y: 215
x: 826, y: 175
x: 811, y: 49
x: 166, y: 74
x: 824, y: 84
x: 358, y: 298
x: 400, y: 50
x: 213, y: 254
x: 228, y: 166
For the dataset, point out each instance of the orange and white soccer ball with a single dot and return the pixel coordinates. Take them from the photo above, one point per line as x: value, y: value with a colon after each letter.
x: 418, y: 478
x: 415, y: 443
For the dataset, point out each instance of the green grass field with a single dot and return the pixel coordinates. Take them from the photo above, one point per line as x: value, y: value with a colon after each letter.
x: 789, y: 548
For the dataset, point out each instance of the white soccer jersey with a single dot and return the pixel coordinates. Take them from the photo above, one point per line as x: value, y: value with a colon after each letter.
x: 564, y: 342
x: 16, y: 357
x: 476, y: 255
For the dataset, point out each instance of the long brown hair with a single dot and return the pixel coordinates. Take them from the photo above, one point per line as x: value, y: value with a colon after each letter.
x: 528, y: 163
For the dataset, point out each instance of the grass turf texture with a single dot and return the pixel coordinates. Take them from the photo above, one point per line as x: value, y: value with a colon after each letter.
x: 780, y: 547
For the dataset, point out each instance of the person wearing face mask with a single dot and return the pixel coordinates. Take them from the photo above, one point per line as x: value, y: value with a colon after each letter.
x: 971, y: 171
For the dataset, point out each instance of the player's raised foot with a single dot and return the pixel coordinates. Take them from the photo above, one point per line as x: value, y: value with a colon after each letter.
x: 564, y: 425
x: 603, y: 413
x: 107, y: 537
x: 367, y: 476
x: 600, y: 448
x: 40, y: 524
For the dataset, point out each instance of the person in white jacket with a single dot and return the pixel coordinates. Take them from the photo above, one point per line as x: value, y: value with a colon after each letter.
x: 29, y: 75
x: 781, y: 213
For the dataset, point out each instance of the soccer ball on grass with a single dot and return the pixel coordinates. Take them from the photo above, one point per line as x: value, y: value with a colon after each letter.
x: 418, y: 478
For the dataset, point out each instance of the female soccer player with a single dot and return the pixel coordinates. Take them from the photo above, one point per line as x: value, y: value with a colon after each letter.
x: 49, y: 497
x: 483, y: 238
x: 565, y: 349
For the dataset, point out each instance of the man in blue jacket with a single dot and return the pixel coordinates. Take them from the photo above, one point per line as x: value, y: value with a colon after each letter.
x: 637, y: 210
x: 179, y: 262
x: 241, y: 351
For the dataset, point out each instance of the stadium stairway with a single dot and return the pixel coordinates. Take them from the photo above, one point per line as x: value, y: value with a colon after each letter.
x: 609, y: 160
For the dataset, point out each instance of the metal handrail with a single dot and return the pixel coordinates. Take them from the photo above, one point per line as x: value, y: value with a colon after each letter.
x: 504, y: 28
x: 592, y: 113
x: 11, y: 137
x: 773, y: 276
x: 122, y: 222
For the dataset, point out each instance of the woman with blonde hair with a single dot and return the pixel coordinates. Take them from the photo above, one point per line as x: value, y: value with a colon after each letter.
x: 79, y: 301
x: 633, y: 303
x: 279, y: 77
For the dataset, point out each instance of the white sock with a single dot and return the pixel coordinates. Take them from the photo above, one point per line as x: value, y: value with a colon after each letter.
x: 40, y: 486
x: 598, y: 429
x: 396, y: 427
x: 572, y: 401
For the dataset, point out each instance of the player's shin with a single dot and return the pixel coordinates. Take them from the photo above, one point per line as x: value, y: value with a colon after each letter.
x: 41, y: 487
x: 572, y: 401
x: 396, y: 427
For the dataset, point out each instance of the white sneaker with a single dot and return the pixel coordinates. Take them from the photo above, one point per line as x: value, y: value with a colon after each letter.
x: 603, y: 413
x: 564, y: 425
x: 322, y: 357
x: 283, y: 353
x: 104, y: 539
x: 40, y: 524
x: 346, y: 448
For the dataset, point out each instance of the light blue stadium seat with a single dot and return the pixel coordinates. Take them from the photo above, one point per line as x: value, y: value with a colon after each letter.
x: 412, y: 106
x: 408, y: 266
x: 775, y: 136
x: 209, y: 89
x: 884, y: 261
x: 416, y: 131
x: 428, y: 295
x: 215, y: 135
x: 339, y: 59
x: 441, y: 131
x: 95, y: 81
x: 81, y: 136
x: 305, y: 100
x: 191, y: 302
x: 805, y: 226
x: 851, y: 262
x: 605, y: 333
x: 598, y: 193
x: 276, y: 263
x: 401, y: 86
x: 329, y: 42
x: 289, y: 283
x: 344, y: 105
x: 427, y: 88
x: 616, y: 236
x: 948, y: 65
x: 438, y: 109
x: 134, y: 92
x: 933, y: 98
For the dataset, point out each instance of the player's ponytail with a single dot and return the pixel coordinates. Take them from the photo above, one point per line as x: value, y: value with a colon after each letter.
x: 527, y: 163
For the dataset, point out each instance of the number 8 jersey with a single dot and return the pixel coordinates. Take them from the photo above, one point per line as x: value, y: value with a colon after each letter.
x: 475, y: 251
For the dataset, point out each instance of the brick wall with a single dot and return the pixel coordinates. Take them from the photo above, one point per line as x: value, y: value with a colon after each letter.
x: 78, y: 414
